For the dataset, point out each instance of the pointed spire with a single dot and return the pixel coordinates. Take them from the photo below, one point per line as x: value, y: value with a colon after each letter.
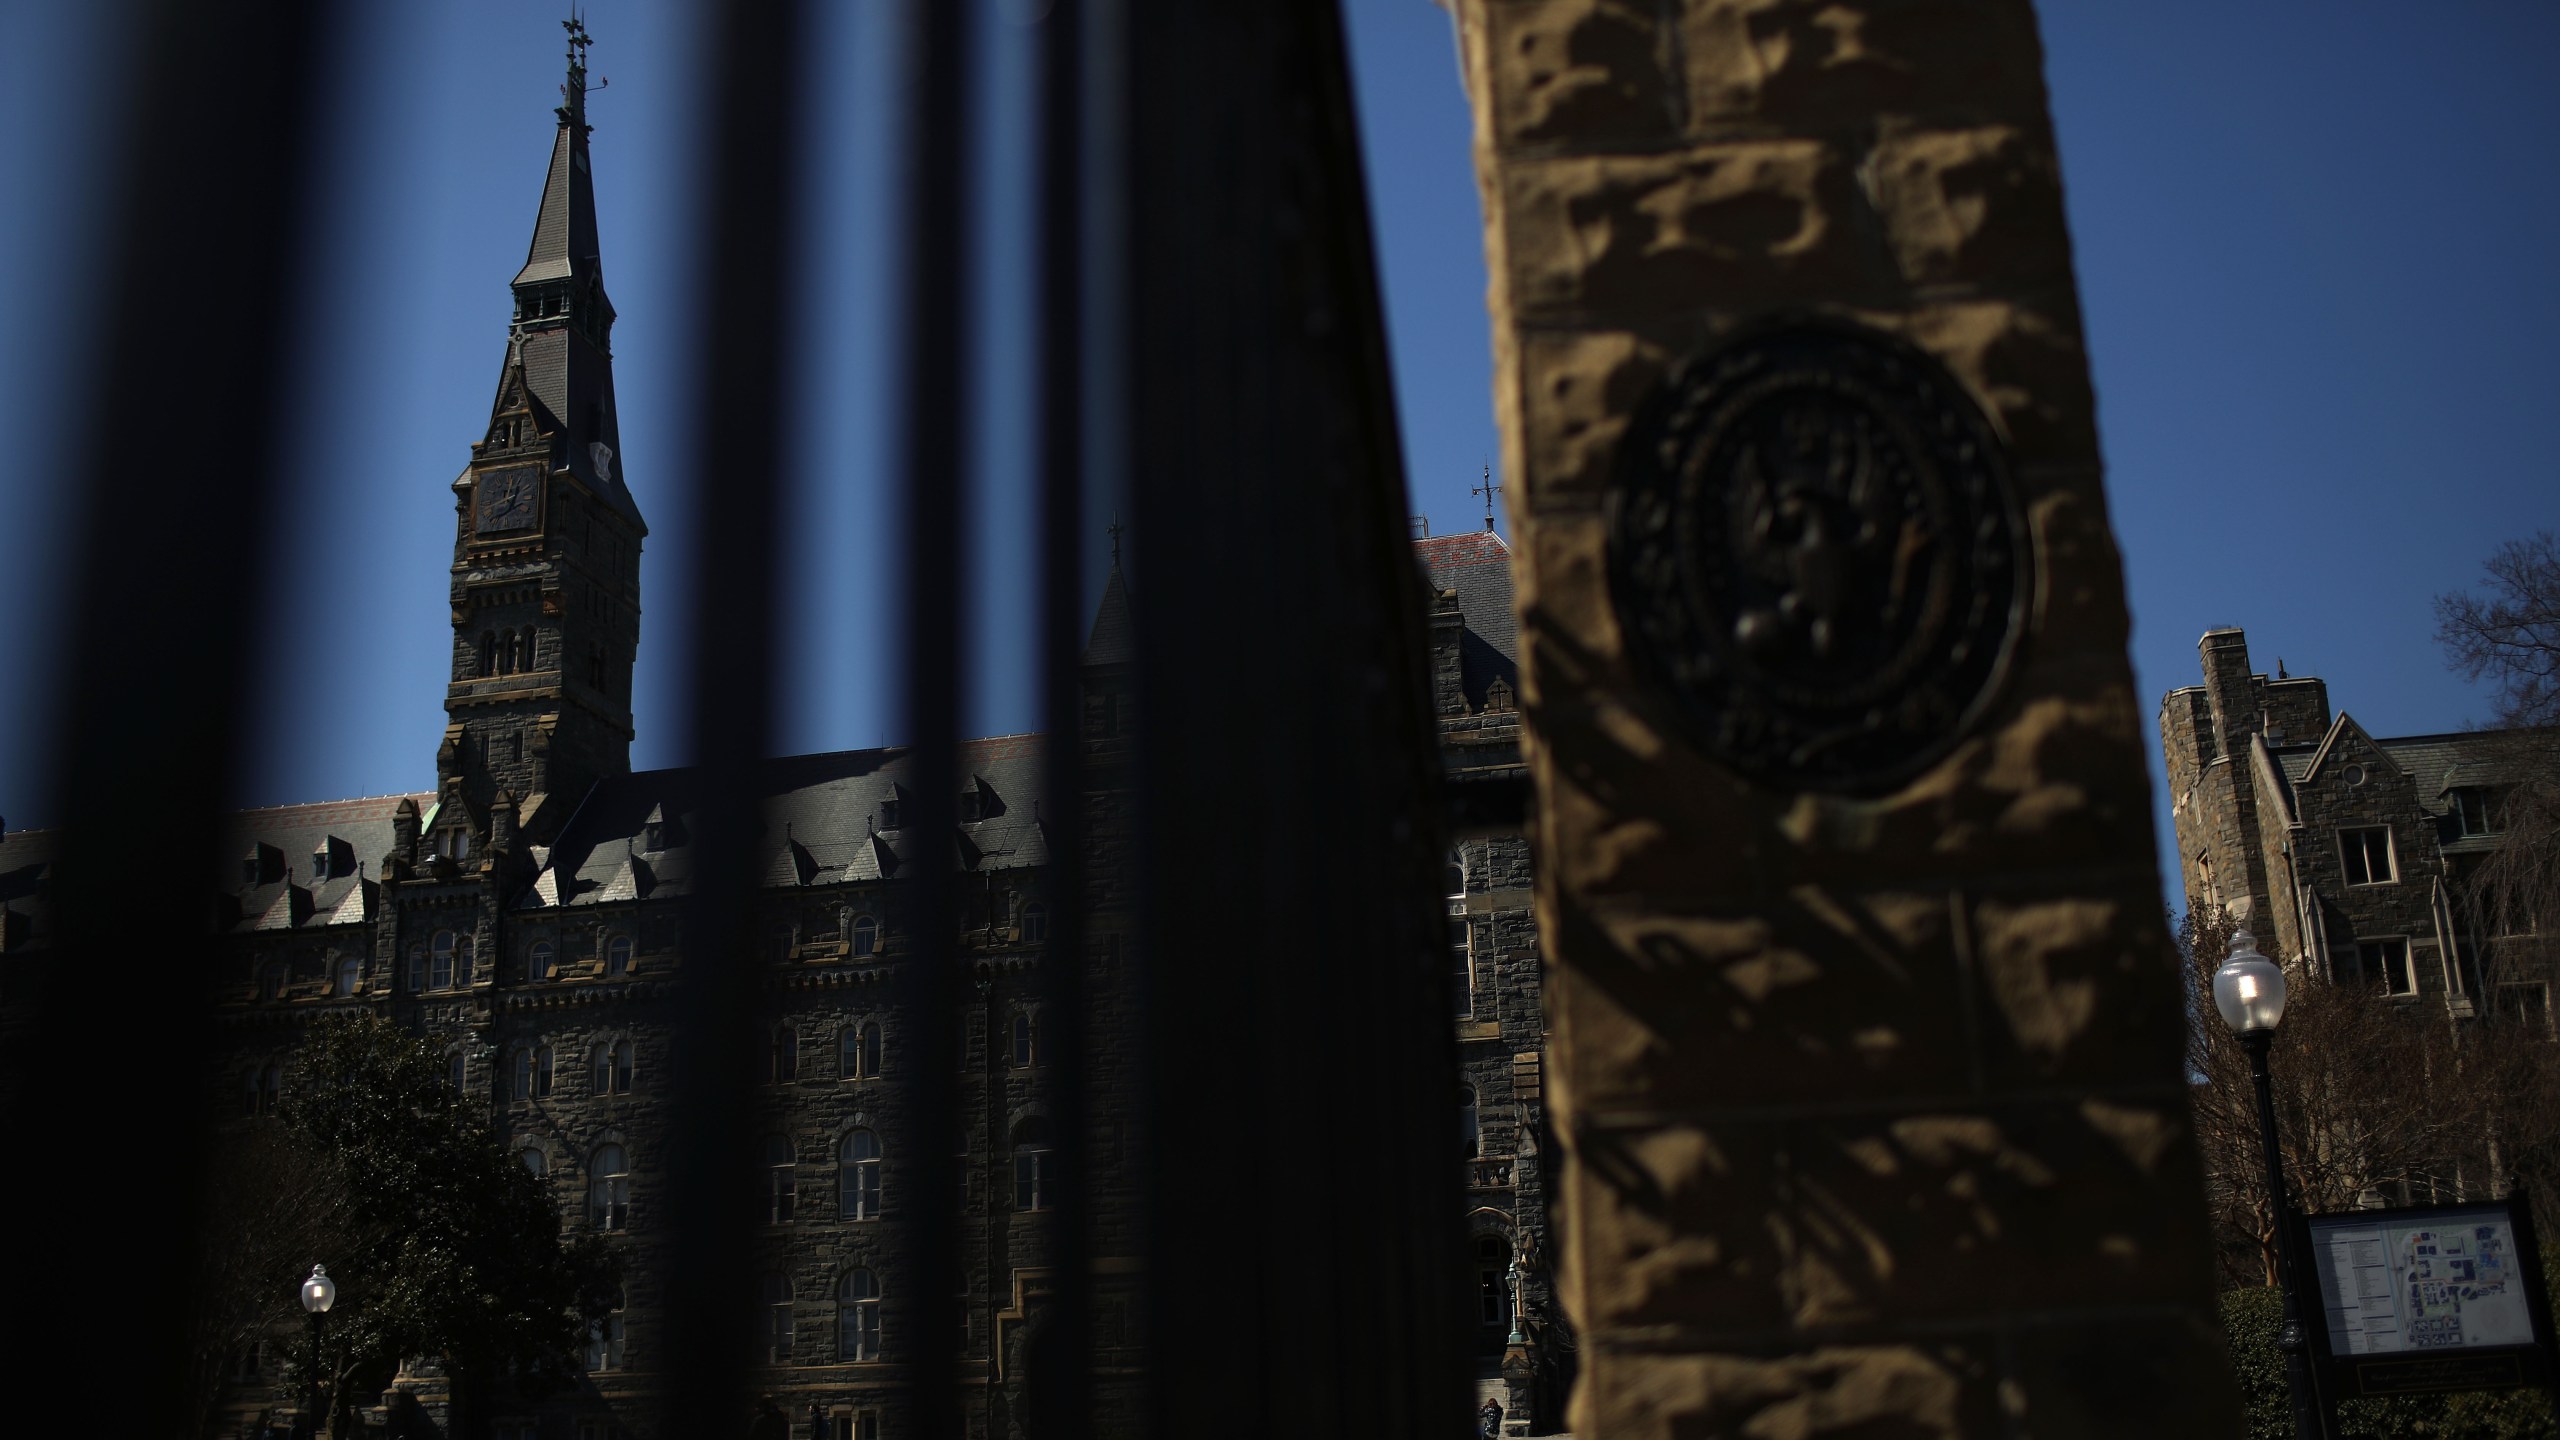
x: 562, y: 331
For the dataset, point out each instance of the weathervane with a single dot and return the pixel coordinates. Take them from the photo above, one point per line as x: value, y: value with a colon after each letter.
x: 575, y: 91
x: 1488, y: 490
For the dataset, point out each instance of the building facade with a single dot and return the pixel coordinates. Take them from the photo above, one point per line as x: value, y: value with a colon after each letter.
x: 524, y: 914
x: 2346, y: 854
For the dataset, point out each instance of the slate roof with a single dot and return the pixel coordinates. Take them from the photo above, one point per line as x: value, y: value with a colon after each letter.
x: 26, y: 869
x: 822, y: 825
x: 1113, y: 642
x: 1477, y: 565
x: 293, y: 867
x: 2437, y: 763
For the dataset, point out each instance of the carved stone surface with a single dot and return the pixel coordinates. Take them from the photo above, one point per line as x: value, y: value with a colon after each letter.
x: 1817, y: 550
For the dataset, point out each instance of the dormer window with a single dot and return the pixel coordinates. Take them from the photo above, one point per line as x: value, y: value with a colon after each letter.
x: 889, y: 809
x: 2480, y: 810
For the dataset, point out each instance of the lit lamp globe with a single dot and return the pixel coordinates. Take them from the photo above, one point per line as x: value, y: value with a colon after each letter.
x: 2249, y: 988
x: 319, y: 1292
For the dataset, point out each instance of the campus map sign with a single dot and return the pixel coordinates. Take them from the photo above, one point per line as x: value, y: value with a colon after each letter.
x: 2442, y: 1297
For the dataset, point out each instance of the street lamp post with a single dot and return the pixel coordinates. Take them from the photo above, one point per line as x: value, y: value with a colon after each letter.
x: 318, y: 1294
x: 2249, y: 990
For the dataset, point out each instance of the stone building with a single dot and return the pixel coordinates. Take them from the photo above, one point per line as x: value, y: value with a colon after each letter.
x: 2344, y: 852
x: 524, y: 914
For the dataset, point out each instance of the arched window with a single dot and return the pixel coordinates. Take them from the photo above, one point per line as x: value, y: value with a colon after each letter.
x: 2204, y: 877
x: 440, y: 961
x: 542, y: 962
x: 524, y: 660
x: 1469, y: 1139
x: 858, y: 1316
x: 507, y: 652
x: 488, y: 653
x: 536, y: 1164
x: 783, y: 1062
x: 263, y: 1090
x: 609, y: 1188
x: 604, y: 1339
x: 454, y: 1069
x: 617, y: 957
x: 858, y: 1051
x: 271, y: 981
x: 858, y: 1175
x: 782, y: 1180
x: 866, y: 936
x: 1493, y: 1279
x: 613, y: 1068
x: 542, y: 1068
x: 350, y: 976
x: 1033, y: 1169
x: 417, y: 966
x: 777, y: 1318
x: 1026, y: 1038
x: 1035, y: 924
x: 520, y: 1074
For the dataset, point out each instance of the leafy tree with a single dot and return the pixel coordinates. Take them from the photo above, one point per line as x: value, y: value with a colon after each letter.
x: 444, y: 1246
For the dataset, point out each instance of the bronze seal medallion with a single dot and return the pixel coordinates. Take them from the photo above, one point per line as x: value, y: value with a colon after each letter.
x: 1816, y: 549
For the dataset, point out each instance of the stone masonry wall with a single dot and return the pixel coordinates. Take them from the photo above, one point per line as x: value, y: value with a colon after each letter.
x: 1873, y: 1108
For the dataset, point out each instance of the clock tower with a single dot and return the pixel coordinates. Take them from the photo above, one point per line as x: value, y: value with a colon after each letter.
x: 546, y: 552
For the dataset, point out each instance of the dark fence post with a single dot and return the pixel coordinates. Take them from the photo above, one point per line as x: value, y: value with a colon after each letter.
x: 933, y: 343
x: 733, y: 484
x: 1307, y: 1193
x: 185, y: 430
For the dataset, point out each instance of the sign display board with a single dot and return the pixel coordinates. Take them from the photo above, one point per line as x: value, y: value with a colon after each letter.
x: 2437, y: 1297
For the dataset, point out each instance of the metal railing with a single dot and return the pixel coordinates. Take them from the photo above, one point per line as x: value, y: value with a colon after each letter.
x: 1286, y: 977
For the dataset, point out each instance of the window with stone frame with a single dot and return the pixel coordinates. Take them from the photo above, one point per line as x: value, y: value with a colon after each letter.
x: 858, y: 1316
x: 1026, y: 1038
x: 417, y: 979
x: 542, y: 962
x: 858, y: 1163
x: 440, y: 961
x: 1493, y: 1280
x: 782, y: 1180
x: 2480, y: 809
x: 783, y: 1060
x: 264, y: 1090
x: 778, y: 1329
x: 609, y: 1188
x: 2366, y: 854
x: 858, y: 1051
x: 611, y: 1072
x: 1034, y: 1165
x: 350, y: 977
x: 1462, y: 971
x: 779, y: 937
x: 2384, y: 963
x: 2526, y: 1002
x: 866, y: 936
x: 536, y: 1163
x: 604, y: 1338
x: 1470, y: 1135
x: 1035, y: 924
x: 271, y: 978
x: 617, y: 957
x: 456, y: 1069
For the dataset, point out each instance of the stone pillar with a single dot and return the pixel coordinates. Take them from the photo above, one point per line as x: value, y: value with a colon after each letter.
x: 1866, y: 1024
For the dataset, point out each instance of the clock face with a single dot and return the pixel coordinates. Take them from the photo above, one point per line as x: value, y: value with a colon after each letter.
x: 509, y: 499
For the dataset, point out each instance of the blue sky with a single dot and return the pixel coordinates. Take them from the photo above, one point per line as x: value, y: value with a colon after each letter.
x: 2313, y: 245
